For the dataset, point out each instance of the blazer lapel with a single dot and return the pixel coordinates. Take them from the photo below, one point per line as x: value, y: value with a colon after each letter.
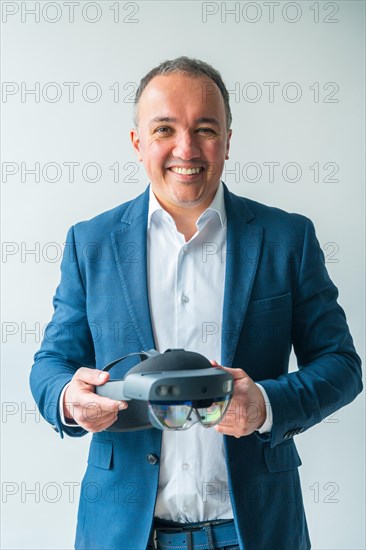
x: 244, y: 243
x: 130, y: 251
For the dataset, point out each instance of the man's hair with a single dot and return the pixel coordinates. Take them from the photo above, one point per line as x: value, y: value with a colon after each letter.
x: 191, y: 67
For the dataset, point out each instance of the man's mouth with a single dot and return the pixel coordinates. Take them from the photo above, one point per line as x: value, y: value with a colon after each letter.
x: 186, y: 171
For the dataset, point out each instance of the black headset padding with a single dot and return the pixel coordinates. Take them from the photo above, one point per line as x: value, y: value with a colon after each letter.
x: 136, y: 416
x: 172, y: 360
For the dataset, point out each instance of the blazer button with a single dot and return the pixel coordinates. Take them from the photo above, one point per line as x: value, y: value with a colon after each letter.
x: 151, y: 458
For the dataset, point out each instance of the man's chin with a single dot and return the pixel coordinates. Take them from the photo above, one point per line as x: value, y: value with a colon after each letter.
x: 192, y: 197
x: 186, y: 194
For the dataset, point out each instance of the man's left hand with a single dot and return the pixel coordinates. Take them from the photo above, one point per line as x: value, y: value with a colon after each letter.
x: 247, y: 410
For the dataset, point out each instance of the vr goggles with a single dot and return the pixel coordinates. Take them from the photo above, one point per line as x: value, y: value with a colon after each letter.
x: 170, y: 391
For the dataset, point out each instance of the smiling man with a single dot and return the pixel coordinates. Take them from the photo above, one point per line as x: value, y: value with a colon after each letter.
x: 183, y: 139
x: 190, y: 265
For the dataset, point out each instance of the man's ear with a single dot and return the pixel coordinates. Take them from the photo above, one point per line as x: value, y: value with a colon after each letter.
x: 136, y: 143
x: 228, y: 143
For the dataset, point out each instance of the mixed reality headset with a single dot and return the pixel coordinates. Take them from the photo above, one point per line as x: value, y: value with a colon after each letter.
x: 170, y: 391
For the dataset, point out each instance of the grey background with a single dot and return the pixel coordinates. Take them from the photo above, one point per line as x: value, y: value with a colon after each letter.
x: 326, y: 49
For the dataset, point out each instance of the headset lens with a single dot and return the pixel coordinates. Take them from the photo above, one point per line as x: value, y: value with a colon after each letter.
x: 182, y: 415
x: 171, y: 416
x: 211, y: 415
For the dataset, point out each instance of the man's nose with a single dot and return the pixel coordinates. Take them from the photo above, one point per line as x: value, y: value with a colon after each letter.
x: 185, y: 146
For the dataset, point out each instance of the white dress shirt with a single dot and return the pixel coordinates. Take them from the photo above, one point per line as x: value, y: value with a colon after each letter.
x: 186, y: 292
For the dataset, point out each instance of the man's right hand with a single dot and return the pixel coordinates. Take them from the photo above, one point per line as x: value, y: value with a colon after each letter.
x: 91, y: 411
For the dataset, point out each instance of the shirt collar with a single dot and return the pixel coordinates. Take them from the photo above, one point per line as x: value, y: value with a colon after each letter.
x: 217, y: 207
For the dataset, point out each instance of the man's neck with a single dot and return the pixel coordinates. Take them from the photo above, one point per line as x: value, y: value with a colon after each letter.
x: 185, y: 217
x: 186, y: 224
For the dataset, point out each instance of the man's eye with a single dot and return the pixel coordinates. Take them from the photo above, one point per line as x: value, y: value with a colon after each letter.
x: 163, y: 130
x: 206, y: 130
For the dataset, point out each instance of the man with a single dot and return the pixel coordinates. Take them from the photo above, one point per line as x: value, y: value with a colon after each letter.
x: 188, y: 264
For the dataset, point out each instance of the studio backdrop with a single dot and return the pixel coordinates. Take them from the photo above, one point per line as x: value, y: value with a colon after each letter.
x: 295, y: 73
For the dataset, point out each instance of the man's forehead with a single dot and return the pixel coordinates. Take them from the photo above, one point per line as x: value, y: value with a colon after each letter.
x: 166, y: 97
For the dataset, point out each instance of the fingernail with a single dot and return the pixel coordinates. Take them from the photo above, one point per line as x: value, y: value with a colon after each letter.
x: 101, y: 375
x: 122, y: 405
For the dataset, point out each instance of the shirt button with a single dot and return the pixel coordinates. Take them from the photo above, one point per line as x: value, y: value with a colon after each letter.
x: 185, y: 299
x: 185, y: 466
x: 151, y: 458
x: 185, y: 249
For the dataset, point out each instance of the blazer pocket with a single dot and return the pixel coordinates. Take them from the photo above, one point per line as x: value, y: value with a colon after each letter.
x: 270, y: 304
x: 101, y: 454
x: 282, y: 457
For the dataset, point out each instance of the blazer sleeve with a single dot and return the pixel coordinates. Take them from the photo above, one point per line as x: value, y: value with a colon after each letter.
x: 329, y: 375
x: 67, y: 343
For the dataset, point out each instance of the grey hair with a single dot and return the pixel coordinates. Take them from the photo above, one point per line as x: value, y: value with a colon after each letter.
x: 192, y: 67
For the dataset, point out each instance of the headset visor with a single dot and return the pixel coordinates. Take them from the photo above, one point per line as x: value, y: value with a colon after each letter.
x: 181, y: 415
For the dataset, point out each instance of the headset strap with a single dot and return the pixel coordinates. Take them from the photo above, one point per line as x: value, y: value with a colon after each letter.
x: 142, y: 354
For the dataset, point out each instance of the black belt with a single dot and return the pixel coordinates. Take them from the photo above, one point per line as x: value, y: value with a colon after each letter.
x: 208, y: 535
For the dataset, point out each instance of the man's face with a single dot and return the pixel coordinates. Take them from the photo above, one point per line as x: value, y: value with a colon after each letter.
x: 182, y: 139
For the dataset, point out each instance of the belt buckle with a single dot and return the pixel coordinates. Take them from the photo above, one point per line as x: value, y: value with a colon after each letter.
x: 154, y: 540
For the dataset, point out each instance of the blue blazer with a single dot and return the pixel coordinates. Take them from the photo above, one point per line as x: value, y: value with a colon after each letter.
x: 277, y: 295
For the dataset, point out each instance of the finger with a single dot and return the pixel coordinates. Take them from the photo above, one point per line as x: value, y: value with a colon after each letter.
x: 102, y: 404
x: 236, y: 373
x: 109, y: 422
x: 94, y: 418
x: 234, y: 431
x: 216, y: 365
x: 93, y: 407
x: 224, y: 429
x: 100, y: 424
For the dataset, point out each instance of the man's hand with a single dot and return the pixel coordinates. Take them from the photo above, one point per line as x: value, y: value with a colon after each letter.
x: 247, y: 410
x: 91, y: 411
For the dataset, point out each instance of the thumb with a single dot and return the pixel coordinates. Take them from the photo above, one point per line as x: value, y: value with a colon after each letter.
x: 93, y: 377
x: 235, y: 373
x: 102, y: 377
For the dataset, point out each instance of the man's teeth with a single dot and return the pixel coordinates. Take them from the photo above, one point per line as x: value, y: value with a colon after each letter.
x: 185, y: 171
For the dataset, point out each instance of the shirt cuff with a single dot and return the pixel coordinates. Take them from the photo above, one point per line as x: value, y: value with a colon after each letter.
x: 268, y: 423
x: 69, y: 422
